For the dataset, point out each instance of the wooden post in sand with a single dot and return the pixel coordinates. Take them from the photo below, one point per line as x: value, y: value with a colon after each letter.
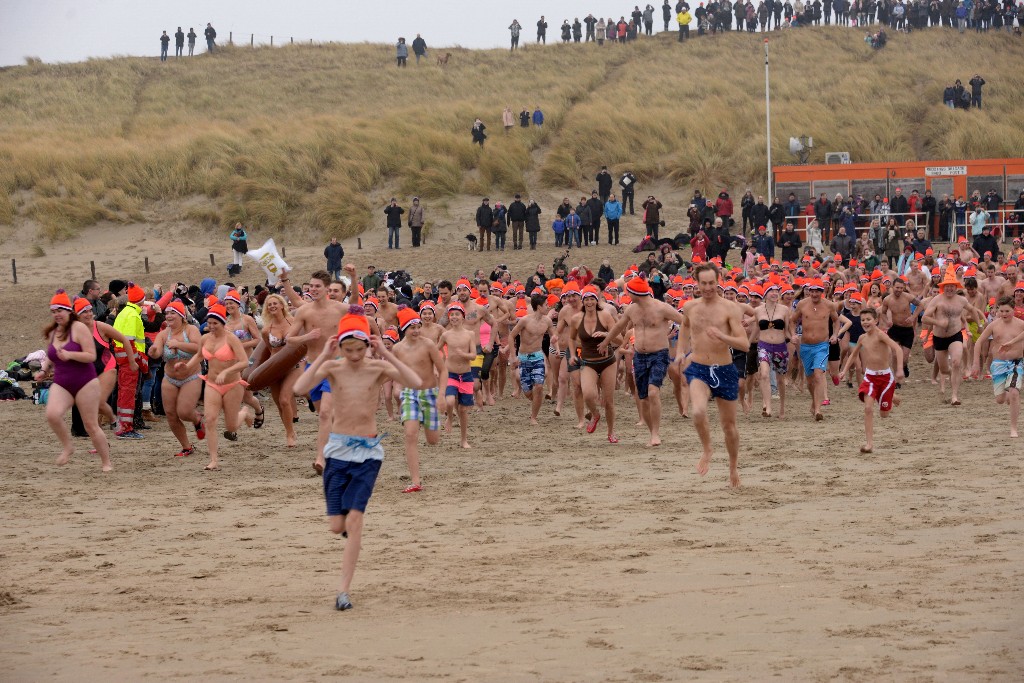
x: 359, y: 242
x: 14, y: 271
x: 211, y: 260
x: 284, y: 254
x: 92, y: 269
x: 147, y: 264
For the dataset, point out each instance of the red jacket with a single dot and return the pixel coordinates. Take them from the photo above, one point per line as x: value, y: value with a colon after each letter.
x: 723, y: 207
x: 699, y: 244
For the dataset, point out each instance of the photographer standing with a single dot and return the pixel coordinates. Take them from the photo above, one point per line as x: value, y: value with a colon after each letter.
x: 652, y: 216
x: 394, y: 222
x: 334, y: 253
x: 628, y: 183
x: 416, y: 221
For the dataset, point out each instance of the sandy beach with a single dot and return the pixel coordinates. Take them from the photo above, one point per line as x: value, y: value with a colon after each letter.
x: 541, y: 554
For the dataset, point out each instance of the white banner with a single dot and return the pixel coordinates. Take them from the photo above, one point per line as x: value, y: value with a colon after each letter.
x: 932, y: 171
x: 268, y: 258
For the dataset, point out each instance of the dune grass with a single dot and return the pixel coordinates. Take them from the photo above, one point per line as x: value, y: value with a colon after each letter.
x: 320, y: 137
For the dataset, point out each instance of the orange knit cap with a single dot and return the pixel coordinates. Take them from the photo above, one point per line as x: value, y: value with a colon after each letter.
x: 60, y: 301
x: 233, y: 295
x: 590, y: 290
x: 638, y: 287
x: 218, y: 312
x: 177, y: 307
x: 81, y: 304
x: 463, y: 282
x: 135, y: 293
x: 354, y: 325
x: 571, y: 287
x: 555, y: 283
x: 389, y: 334
x: 406, y: 317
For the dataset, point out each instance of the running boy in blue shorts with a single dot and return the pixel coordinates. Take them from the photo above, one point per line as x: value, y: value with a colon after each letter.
x: 531, y: 330
x: 814, y: 313
x: 353, y: 453
x: 461, y: 347
x: 1003, y: 339
x: 711, y: 327
x: 419, y: 401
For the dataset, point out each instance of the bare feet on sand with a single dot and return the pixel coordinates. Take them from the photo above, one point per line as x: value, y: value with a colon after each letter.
x: 64, y: 457
x: 704, y: 464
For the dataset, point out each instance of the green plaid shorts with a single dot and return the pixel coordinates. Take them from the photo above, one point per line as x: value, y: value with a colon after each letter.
x: 421, y: 405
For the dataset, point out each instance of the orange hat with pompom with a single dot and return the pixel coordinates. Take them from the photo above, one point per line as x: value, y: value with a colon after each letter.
x: 136, y: 294
x: 217, y: 311
x: 81, y: 304
x: 406, y: 317
x: 60, y: 301
x: 354, y: 325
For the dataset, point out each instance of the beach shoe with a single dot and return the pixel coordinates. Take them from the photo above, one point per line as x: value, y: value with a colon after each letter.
x: 231, y: 436
x: 130, y: 434
x: 258, y: 420
x: 612, y: 438
x: 342, y: 602
x: 592, y: 425
x: 835, y: 380
x: 185, y: 452
x: 826, y: 402
x: 413, y: 488
x: 200, y: 429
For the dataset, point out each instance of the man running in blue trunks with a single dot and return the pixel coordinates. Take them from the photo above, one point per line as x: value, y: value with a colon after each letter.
x: 712, y: 327
x: 531, y: 329
x: 814, y: 313
x: 650, y: 320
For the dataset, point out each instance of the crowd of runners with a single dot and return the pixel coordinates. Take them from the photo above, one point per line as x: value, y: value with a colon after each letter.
x: 437, y: 360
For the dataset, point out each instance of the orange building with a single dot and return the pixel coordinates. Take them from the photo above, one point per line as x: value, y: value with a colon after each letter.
x: 953, y: 177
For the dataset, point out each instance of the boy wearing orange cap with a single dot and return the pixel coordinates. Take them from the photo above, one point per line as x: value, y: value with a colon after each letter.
x: 461, y: 343
x: 900, y: 307
x: 129, y: 324
x: 419, y: 401
x: 948, y: 315
x: 1004, y: 340
x: 874, y: 352
x: 650, y: 320
x: 817, y: 316
x: 353, y: 453
x: 530, y: 329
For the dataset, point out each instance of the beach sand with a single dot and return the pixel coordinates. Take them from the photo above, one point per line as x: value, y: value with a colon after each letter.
x: 540, y: 554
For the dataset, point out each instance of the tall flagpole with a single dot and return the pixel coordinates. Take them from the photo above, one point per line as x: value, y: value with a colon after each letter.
x: 768, y: 121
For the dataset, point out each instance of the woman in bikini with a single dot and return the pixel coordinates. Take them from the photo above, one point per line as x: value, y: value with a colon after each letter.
x: 179, y: 341
x: 587, y: 329
x: 276, y: 321
x: 245, y: 329
x: 106, y: 369
x: 70, y: 356
x: 773, y: 335
x: 226, y: 357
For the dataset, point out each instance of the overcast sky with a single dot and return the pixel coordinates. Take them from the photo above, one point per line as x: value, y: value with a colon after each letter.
x: 74, y: 30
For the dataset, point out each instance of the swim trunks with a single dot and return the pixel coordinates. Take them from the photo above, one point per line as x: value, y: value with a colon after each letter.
x: 814, y: 357
x: 741, y: 359
x: 531, y: 370
x: 420, y: 405
x: 350, y: 471
x: 943, y: 343
x: 460, y: 385
x: 1006, y: 375
x: 775, y: 355
x: 722, y: 380
x: 904, y: 336
x: 649, y: 369
x: 879, y: 385
x: 317, y: 392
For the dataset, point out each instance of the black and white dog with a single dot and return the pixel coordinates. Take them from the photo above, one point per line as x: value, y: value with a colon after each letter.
x: 471, y: 242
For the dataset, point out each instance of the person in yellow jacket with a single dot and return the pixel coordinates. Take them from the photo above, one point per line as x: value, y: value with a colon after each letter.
x: 129, y: 323
x: 684, y: 18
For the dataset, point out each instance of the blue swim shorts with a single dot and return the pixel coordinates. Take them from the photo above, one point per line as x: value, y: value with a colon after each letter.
x: 649, y: 369
x: 350, y: 471
x: 460, y: 385
x: 814, y: 357
x: 317, y: 392
x: 722, y: 380
x: 531, y: 370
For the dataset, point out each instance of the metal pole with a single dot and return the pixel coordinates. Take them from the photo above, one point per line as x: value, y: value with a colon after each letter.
x: 768, y: 120
x: 252, y: 39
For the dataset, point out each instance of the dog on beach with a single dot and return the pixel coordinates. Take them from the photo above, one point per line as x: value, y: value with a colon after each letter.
x: 443, y: 61
x: 471, y: 242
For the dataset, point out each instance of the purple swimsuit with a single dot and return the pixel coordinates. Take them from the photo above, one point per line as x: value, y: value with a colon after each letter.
x: 72, y: 375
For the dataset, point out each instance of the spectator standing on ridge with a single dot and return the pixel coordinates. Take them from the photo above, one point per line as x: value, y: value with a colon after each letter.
x: 566, y: 31
x: 652, y: 216
x: 591, y: 22
x: 484, y: 219
x: 976, y: 84
x: 604, y: 183
x: 179, y: 42
x: 516, y: 218
x: 508, y: 119
x: 666, y: 13
x: 628, y: 184
x: 239, y: 245
x: 478, y: 132
x: 612, y: 214
x: 334, y: 253
x: 602, y: 31
x: 533, y: 213
x: 416, y: 221
x: 401, y: 52
x: 746, y: 204
x: 191, y: 40
x: 524, y: 118
x: 515, y: 29
x: 211, y: 36
x: 724, y: 209
x: 165, y: 41
x: 648, y: 20
x: 596, y: 206
x: 538, y: 116
x: 394, y: 222
x: 542, y: 31
x: 419, y: 47
x: 577, y: 30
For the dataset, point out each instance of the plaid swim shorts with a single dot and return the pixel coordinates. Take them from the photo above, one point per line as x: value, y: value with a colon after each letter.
x: 421, y: 405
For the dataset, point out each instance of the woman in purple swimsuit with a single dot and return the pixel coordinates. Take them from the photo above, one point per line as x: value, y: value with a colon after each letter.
x: 70, y: 355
